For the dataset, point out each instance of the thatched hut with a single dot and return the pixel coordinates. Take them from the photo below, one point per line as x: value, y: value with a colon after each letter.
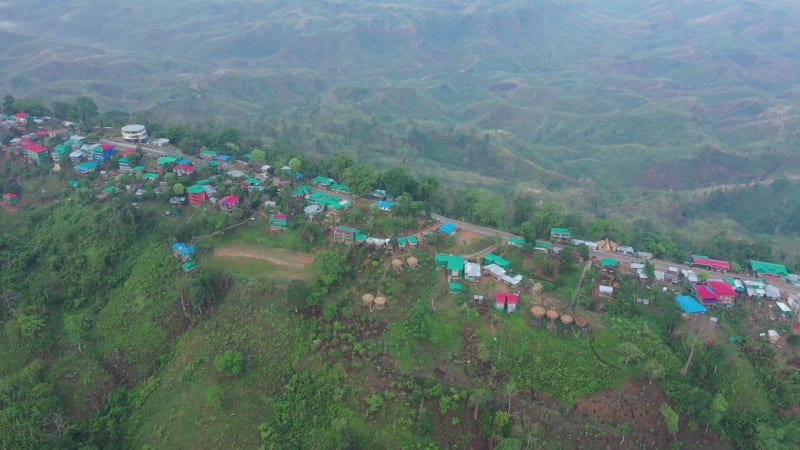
x: 552, y: 315
x: 566, y: 320
x: 537, y: 312
x: 582, y: 324
x: 380, y: 303
x: 367, y: 299
x: 412, y: 262
x: 397, y: 265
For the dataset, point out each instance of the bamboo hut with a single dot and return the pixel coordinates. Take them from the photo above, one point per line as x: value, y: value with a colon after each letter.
x: 380, y: 303
x: 582, y: 324
x: 537, y: 312
x: 367, y: 299
x: 566, y: 320
x: 552, y: 315
x: 412, y: 262
x: 397, y: 265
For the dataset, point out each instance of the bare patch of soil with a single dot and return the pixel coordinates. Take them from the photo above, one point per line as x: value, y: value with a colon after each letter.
x: 279, y: 257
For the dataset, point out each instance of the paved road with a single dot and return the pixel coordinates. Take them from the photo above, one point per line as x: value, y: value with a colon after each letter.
x: 486, y: 231
x: 145, y: 148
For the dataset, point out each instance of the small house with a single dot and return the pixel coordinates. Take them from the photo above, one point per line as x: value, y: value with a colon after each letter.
x: 491, y: 258
x: 278, y: 221
x: 207, y: 154
x: 772, y: 292
x: 102, y: 152
x: 34, y: 153
x: 229, y: 202
x: 609, y: 264
x: 512, y: 281
x: 625, y: 250
x: 560, y: 235
x: 500, y: 302
x: 516, y: 241
x: 123, y: 164
x: 183, y: 170
x: 312, y: 211
x: 300, y: 191
x: 86, y: 167
x: 384, y: 205
x: 336, y: 187
x: 494, y: 271
x: 412, y: 241
x: 401, y: 243
x: 705, y: 262
x: 644, y: 255
x: 512, y: 300
x: 323, y: 181
x: 455, y: 267
x: 472, y: 272
x: 541, y: 246
x: 689, y: 305
x: 456, y: 288
x: 10, y: 198
x: 784, y: 309
x: 60, y: 152
x: 447, y: 228
x: 197, y: 194
x: 704, y: 295
x: 769, y: 270
x: 183, y: 251
x: 188, y: 266
x: 725, y: 292
x: 344, y: 234
x: 149, y: 176
x: 605, y: 290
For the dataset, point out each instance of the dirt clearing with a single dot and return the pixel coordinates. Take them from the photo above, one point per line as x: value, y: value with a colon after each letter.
x: 279, y: 257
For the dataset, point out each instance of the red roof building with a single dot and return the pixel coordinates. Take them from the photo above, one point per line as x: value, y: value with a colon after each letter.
x: 725, y: 292
x: 704, y: 295
x: 197, y: 194
x: 183, y: 170
x: 506, y: 301
x: 34, y: 152
x: 712, y: 264
x: 229, y: 202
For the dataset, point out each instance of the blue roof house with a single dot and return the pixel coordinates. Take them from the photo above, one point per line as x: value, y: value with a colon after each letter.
x: 447, y: 228
x: 384, y: 205
x: 183, y: 251
x: 689, y: 305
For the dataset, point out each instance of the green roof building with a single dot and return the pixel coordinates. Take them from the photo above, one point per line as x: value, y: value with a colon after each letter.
x: 456, y: 288
x: 559, y: 235
x: 164, y: 160
x: 324, y: 181
x: 491, y: 258
x: 768, y: 269
x: 608, y: 263
x: 516, y: 241
x: 339, y: 188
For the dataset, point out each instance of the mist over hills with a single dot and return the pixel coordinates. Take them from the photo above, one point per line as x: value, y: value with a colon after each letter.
x: 611, y: 94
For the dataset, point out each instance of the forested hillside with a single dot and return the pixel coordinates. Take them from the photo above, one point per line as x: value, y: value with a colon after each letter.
x: 266, y: 338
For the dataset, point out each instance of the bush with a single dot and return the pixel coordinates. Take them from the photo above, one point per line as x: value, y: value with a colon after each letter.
x: 229, y: 362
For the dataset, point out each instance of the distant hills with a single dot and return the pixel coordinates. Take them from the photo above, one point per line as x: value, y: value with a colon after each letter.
x: 600, y: 94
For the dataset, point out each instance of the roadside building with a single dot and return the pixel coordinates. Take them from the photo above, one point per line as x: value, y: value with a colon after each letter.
x: 560, y: 235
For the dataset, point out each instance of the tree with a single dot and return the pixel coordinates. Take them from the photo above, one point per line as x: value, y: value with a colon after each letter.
x: 86, y: 109
x: 654, y: 370
x: 547, y: 216
x: 650, y: 270
x: 477, y: 399
x: 398, y: 180
x: 229, y: 362
x: 178, y: 188
x: 297, y: 292
x: 361, y: 178
x: 671, y: 418
x: 694, y: 332
x: 258, y: 155
x: 8, y: 105
x: 295, y: 164
x: 329, y: 266
x: 630, y: 353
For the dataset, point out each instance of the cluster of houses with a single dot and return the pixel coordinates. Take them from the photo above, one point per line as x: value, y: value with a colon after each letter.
x: 458, y: 268
x: 185, y: 253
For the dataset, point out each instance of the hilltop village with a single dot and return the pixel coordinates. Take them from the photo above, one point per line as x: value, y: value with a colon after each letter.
x: 415, y: 305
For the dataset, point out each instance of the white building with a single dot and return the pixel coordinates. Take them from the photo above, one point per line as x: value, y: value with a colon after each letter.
x: 134, y: 133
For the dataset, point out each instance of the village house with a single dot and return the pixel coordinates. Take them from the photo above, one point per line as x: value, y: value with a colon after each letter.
x: 34, y: 153
x: 229, y: 202
x: 278, y: 221
x: 183, y: 251
x: 516, y: 241
x: 768, y: 270
x: 506, y: 302
x: 86, y: 167
x: 560, y: 235
x: 336, y: 187
x: 447, y: 228
x: 207, y: 155
x: 384, y: 205
x: 494, y: 271
x: 725, y: 292
x: 345, y: 234
x: 704, y: 262
x: 689, y: 305
x: 323, y: 181
x: 197, y: 194
x: 102, y: 152
x: 312, y: 211
x: 472, y: 272
x: 491, y: 258
x: 10, y: 198
x: 183, y: 170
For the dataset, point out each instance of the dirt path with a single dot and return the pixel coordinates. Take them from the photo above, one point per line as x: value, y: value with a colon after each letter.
x: 279, y: 257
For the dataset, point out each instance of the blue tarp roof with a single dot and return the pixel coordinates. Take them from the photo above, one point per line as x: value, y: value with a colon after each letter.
x: 178, y: 246
x: 689, y: 304
x: 447, y: 228
x: 383, y: 204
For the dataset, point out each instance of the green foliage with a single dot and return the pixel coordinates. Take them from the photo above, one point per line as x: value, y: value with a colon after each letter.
x: 229, y: 363
x: 670, y: 417
x: 330, y: 266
